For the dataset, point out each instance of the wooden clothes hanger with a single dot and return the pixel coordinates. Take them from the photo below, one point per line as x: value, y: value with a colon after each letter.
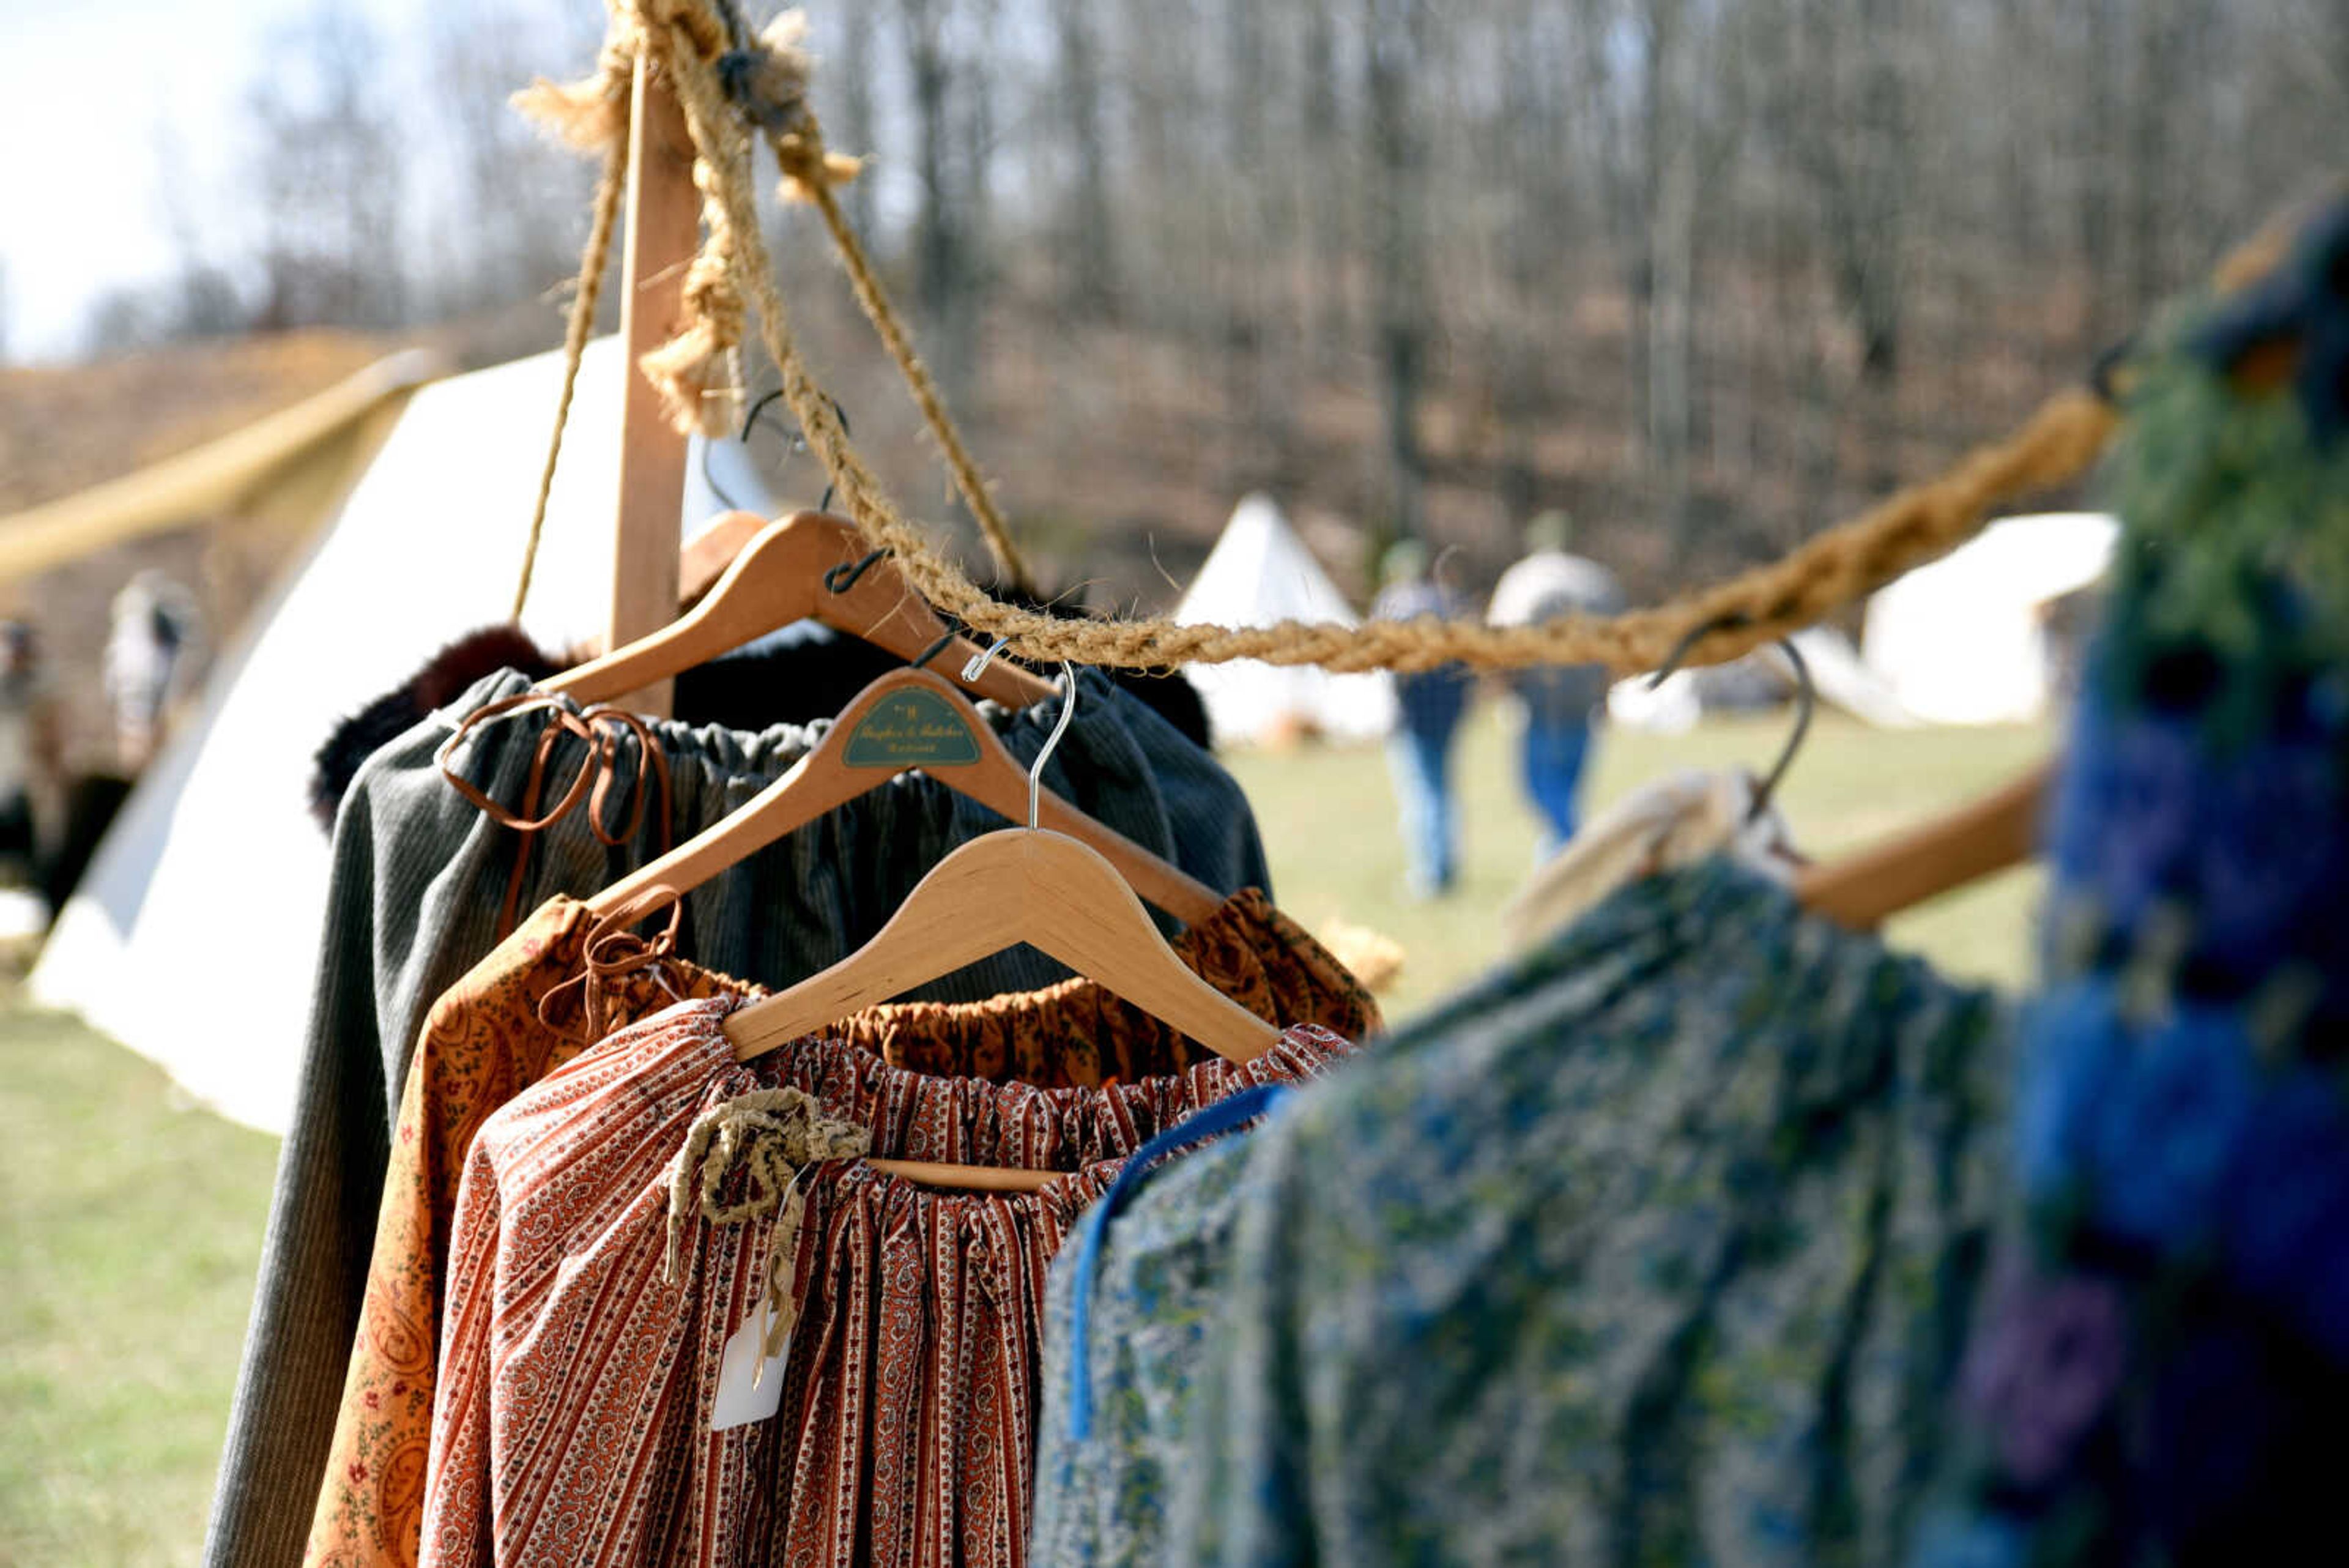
x: 910, y: 718
x: 1987, y: 834
x: 708, y: 556
x: 805, y: 567
x: 1862, y: 890
x: 1016, y: 885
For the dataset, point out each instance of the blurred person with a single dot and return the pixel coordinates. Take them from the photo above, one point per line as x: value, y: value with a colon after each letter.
x: 1560, y: 705
x: 31, y: 754
x: 150, y: 660
x: 1429, y: 706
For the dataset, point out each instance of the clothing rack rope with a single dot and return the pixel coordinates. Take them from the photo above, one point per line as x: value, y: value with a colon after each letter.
x: 765, y: 75
x: 594, y: 257
x: 725, y: 96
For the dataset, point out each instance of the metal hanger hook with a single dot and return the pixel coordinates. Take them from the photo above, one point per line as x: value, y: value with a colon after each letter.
x: 1806, y: 702
x: 977, y: 667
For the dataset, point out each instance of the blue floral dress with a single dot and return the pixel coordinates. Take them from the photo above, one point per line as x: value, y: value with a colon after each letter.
x: 2160, y: 1377
x: 1657, y: 1247
x: 1151, y: 1272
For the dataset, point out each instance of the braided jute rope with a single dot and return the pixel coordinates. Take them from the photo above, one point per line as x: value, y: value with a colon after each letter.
x: 1834, y: 568
x: 589, y: 289
x: 766, y: 80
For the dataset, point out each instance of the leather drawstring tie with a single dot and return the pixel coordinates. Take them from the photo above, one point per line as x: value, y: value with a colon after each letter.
x: 771, y: 1137
x: 614, y: 952
x: 601, y: 729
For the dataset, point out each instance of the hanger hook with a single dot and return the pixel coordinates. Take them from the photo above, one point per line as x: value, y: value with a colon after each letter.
x: 749, y: 423
x: 944, y: 641
x: 842, y: 577
x: 1807, y: 700
x: 977, y: 667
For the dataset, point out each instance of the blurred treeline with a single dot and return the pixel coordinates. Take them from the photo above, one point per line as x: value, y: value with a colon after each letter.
x: 1706, y: 270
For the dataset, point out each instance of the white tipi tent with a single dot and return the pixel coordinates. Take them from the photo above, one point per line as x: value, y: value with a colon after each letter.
x: 1260, y: 573
x: 1966, y: 639
x: 192, y: 936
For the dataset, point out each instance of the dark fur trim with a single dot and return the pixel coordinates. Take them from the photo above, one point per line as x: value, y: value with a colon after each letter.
x: 444, y: 678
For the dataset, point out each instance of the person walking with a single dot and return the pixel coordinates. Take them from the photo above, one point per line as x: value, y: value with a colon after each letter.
x: 1429, y: 706
x: 1560, y: 705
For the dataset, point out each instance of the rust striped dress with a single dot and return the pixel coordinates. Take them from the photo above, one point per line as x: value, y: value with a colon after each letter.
x: 572, y: 1421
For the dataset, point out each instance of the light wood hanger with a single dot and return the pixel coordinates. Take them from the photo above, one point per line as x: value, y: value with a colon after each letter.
x: 1016, y: 885
x: 708, y: 553
x: 907, y: 719
x: 1862, y: 890
x: 779, y: 578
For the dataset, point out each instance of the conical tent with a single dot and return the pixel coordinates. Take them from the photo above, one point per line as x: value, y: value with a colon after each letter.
x: 1260, y: 573
x: 192, y: 936
x: 1974, y: 637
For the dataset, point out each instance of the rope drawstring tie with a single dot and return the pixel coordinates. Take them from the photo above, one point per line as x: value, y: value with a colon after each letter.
x: 601, y: 729
x: 770, y: 1136
x: 613, y: 953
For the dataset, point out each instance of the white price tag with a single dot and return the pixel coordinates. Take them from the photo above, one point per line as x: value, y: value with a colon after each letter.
x: 749, y: 1385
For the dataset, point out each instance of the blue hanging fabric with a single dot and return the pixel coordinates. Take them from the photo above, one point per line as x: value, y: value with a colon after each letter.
x: 2158, y: 1379
x: 1226, y: 1115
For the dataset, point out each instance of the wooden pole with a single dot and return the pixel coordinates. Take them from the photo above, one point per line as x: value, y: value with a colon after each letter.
x: 664, y: 228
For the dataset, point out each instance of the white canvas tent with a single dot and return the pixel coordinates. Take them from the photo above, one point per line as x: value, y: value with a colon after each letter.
x: 1966, y: 639
x: 1260, y: 573
x: 191, y: 937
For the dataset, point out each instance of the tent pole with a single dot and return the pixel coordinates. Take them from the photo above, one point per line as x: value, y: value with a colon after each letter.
x: 664, y: 228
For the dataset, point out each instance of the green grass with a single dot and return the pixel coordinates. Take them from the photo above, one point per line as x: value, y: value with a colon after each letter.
x: 1329, y: 823
x: 132, y: 1227
x: 129, y: 1233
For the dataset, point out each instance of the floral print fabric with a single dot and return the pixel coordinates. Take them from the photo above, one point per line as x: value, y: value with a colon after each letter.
x: 576, y: 1382
x: 1655, y: 1248
x: 1158, y: 1283
x: 2158, y: 1380
x: 524, y: 1011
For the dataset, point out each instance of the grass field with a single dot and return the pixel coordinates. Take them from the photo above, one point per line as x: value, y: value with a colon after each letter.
x: 128, y: 1233
x: 1329, y: 823
x: 130, y: 1227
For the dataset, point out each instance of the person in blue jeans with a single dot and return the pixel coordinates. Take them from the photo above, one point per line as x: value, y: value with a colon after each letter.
x: 1429, y: 706
x: 1561, y: 703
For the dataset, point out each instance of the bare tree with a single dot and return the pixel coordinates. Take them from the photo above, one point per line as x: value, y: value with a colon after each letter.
x: 1088, y: 247
x: 858, y: 122
x: 945, y: 268
x: 1395, y: 50
x: 328, y: 177
x: 1704, y: 270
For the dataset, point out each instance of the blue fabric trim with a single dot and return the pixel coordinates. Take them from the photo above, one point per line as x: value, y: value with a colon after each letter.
x: 1226, y: 1115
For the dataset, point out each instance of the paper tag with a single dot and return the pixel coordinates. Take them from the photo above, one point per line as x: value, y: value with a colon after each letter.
x: 749, y: 1387
x: 911, y: 729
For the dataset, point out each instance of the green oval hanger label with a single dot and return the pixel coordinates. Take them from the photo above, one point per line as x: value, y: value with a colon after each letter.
x: 911, y: 729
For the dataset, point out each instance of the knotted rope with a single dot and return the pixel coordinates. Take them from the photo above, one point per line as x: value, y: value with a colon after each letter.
x: 689, y: 39
x: 765, y: 76
x: 595, y: 117
x: 770, y: 1136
